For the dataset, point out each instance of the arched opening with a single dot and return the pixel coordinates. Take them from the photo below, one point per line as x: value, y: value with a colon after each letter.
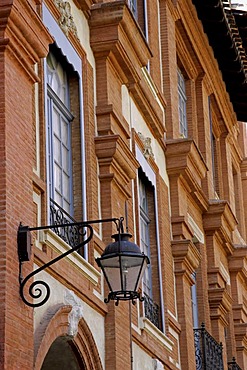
x: 63, y: 355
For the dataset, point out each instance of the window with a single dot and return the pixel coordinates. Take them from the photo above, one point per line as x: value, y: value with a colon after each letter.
x: 65, y: 143
x: 194, y: 303
x: 64, y: 162
x: 148, y: 244
x: 145, y: 237
x: 182, y: 99
x: 59, y: 120
x: 139, y: 10
x: 133, y: 7
x: 214, y: 154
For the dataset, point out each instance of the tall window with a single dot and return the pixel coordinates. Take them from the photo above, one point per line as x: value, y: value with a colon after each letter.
x: 148, y: 243
x: 145, y: 235
x: 194, y: 303
x: 133, y: 6
x: 59, y: 120
x: 182, y: 99
x: 139, y: 10
x: 214, y: 152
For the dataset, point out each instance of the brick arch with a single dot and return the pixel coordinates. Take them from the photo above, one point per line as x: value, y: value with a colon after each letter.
x: 87, y: 347
x: 83, y: 342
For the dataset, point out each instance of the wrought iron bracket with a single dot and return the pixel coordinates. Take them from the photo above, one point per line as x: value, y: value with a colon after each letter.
x: 24, y: 252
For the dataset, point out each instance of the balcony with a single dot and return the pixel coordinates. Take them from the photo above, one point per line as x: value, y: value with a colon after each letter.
x: 152, y: 311
x: 72, y: 235
x: 208, y: 352
x: 232, y: 365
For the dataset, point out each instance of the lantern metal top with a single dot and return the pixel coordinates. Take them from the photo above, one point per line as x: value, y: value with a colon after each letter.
x: 121, y: 245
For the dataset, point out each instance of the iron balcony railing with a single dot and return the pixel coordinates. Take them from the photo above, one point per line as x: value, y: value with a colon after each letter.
x: 232, y: 365
x: 208, y: 352
x: 72, y: 235
x: 152, y: 310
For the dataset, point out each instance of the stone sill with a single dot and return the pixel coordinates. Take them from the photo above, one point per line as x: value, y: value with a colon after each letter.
x: 151, y: 329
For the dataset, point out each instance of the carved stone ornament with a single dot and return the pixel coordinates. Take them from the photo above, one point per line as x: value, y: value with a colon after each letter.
x: 66, y: 21
x: 148, y: 151
x: 75, y: 314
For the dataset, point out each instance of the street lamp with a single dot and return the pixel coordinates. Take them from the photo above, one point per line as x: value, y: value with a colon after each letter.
x: 122, y: 262
x: 123, y: 266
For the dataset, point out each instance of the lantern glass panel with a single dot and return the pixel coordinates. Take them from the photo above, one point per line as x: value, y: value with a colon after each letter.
x: 130, y: 267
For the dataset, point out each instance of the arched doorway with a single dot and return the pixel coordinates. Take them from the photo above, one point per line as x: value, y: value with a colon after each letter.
x: 56, y: 350
x: 62, y: 355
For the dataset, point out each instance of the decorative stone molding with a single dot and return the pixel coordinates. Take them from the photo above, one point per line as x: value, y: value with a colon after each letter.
x: 66, y: 20
x: 75, y: 314
x: 147, y: 151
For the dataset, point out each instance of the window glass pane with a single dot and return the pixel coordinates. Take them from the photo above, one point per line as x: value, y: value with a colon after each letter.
x: 58, y: 178
x: 65, y: 132
x: 182, y: 104
x: 59, y: 126
x: 56, y: 122
x: 133, y: 6
x: 57, y: 78
x: 56, y: 149
x: 66, y: 206
x: 145, y: 237
x: 65, y: 160
x: 66, y: 187
x: 57, y: 198
x: 194, y: 303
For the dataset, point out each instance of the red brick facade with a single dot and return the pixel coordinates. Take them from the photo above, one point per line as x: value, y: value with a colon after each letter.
x: 123, y: 84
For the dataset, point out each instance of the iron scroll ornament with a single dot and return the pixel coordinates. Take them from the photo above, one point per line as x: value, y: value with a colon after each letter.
x: 34, y: 290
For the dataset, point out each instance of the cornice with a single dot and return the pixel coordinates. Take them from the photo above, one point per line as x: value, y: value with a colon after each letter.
x: 205, y: 55
x: 183, y: 154
x: 236, y: 151
x: 113, y: 28
x: 241, y: 333
x: 106, y: 114
x: 23, y: 34
x: 186, y: 53
x: 186, y: 258
x: 238, y: 261
x: 116, y: 161
x: 184, y: 160
x: 243, y: 168
x: 181, y: 228
x: 220, y: 219
x: 220, y: 303
x: 85, y: 6
x: 117, y: 40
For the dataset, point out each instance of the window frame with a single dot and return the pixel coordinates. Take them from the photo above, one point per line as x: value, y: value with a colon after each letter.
x: 182, y: 104
x: 194, y: 303
x: 151, y: 175
x: 76, y: 62
x: 215, y: 154
x: 54, y: 103
x: 144, y: 220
